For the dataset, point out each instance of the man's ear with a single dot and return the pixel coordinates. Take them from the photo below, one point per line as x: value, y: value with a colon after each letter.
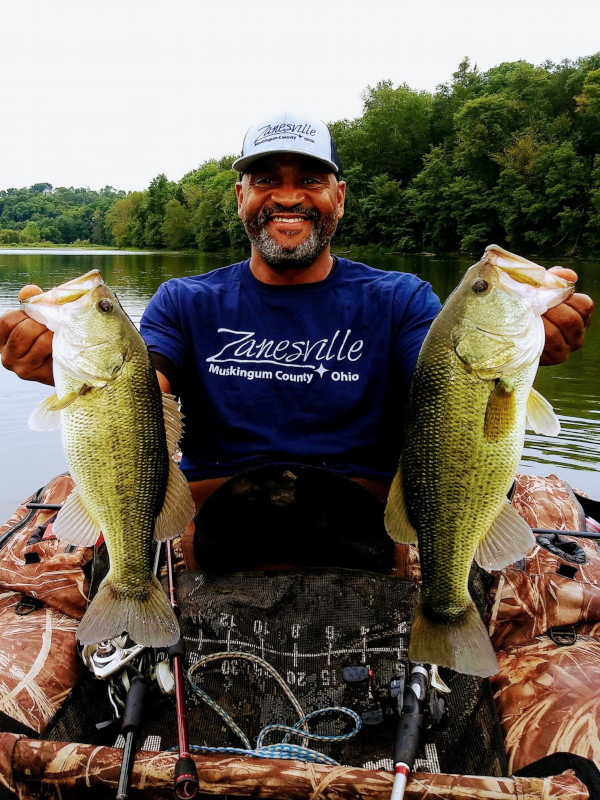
x: 239, y: 192
x: 341, y: 198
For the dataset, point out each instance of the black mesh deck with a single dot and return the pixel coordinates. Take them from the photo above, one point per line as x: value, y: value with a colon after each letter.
x: 308, y: 623
x: 308, y: 626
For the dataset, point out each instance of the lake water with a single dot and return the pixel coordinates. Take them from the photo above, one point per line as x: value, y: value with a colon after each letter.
x: 30, y: 459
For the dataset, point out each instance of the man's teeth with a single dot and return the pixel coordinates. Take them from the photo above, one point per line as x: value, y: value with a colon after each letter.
x: 287, y: 219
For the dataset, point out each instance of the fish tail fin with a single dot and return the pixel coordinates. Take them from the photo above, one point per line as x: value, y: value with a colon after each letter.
x: 149, y: 620
x: 463, y: 644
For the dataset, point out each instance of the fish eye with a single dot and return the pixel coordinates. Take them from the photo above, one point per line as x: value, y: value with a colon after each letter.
x: 105, y: 306
x: 480, y: 286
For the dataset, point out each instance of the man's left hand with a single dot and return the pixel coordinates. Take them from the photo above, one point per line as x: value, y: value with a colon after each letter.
x: 565, y: 325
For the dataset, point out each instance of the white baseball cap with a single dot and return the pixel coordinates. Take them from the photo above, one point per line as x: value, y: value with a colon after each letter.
x: 288, y: 132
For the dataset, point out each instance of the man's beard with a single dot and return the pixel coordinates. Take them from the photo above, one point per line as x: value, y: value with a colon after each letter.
x: 300, y: 255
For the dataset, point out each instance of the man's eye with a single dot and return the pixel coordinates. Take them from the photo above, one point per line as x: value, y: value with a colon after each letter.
x: 264, y: 181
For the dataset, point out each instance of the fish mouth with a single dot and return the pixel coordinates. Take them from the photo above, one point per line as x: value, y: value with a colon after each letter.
x: 528, y: 274
x: 69, y: 291
x: 46, y: 308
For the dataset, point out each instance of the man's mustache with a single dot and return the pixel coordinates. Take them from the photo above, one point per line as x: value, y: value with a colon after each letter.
x: 310, y: 213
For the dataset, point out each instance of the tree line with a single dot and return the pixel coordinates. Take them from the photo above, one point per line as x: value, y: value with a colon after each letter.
x: 510, y: 155
x: 62, y: 216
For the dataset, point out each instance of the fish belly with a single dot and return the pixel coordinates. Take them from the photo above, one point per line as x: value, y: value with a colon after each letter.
x: 115, y: 446
x: 456, y: 476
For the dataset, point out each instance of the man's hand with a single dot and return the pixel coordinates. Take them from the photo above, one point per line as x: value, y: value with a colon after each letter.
x: 565, y: 325
x: 25, y: 345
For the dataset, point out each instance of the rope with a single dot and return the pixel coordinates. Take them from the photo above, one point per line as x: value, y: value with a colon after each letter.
x: 283, y: 749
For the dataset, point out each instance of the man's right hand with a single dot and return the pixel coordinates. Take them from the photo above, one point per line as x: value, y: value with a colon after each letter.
x: 25, y: 345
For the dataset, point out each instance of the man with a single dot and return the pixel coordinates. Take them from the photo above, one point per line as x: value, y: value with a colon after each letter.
x: 294, y: 355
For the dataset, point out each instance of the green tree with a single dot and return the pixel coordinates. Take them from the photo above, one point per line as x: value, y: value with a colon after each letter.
x: 430, y: 201
x: 592, y: 227
x: 177, y: 227
x: 120, y: 218
x: 30, y: 233
x: 484, y: 128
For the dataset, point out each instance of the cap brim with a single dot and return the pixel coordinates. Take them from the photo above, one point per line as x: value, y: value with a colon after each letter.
x: 242, y: 164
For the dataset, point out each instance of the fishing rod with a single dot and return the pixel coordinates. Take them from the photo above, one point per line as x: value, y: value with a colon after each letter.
x: 186, y: 774
x: 132, y: 720
x: 410, y: 728
x: 577, y: 534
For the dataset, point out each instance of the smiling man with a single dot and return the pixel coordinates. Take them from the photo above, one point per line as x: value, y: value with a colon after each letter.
x: 290, y: 205
x: 293, y: 356
x: 290, y: 197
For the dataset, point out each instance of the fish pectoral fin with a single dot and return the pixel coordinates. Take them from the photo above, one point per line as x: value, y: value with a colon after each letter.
x: 46, y: 416
x: 74, y: 524
x: 173, y: 420
x: 500, y: 411
x: 178, y: 508
x: 508, y: 540
x: 397, y: 523
x: 540, y: 415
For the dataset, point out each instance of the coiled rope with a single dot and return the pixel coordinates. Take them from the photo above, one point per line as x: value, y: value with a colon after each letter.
x: 283, y: 749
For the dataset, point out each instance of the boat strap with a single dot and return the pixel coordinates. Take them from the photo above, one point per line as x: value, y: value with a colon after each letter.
x: 584, y: 768
x: 563, y: 548
x: 563, y: 635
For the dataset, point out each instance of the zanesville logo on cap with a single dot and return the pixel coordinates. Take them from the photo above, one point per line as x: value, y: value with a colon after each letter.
x: 285, y: 129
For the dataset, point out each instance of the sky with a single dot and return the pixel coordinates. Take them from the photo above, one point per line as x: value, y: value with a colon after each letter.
x: 113, y: 93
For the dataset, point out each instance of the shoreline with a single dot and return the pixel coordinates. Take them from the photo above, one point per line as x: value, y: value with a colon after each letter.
x: 346, y: 249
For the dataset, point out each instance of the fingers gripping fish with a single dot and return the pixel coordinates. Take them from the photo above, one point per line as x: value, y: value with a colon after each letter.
x: 470, y: 399
x: 118, y: 436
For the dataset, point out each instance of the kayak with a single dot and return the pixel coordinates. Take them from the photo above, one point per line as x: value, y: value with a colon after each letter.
x: 262, y: 644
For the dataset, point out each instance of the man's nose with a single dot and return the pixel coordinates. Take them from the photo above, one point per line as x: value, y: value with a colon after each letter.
x: 287, y: 194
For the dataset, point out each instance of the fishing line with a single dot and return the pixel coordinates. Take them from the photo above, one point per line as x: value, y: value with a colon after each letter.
x: 283, y: 749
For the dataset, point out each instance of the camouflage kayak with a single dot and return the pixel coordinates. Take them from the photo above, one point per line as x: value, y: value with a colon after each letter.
x: 543, y: 617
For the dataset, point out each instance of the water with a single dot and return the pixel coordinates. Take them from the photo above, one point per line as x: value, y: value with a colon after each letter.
x: 30, y: 458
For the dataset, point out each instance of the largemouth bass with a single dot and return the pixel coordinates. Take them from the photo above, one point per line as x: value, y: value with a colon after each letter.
x: 118, y: 436
x: 470, y: 397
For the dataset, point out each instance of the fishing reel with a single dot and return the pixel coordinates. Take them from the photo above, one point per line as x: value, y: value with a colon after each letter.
x: 118, y: 661
x: 109, y: 656
x: 387, y: 703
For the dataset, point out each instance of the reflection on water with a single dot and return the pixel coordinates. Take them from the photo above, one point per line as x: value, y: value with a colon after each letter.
x: 31, y: 458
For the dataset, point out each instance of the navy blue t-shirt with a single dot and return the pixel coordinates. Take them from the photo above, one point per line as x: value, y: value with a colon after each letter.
x: 312, y: 373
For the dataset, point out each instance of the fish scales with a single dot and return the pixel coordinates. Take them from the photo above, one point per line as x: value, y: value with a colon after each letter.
x: 470, y: 397
x: 118, y: 435
x: 453, y: 474
x: 125, y: 489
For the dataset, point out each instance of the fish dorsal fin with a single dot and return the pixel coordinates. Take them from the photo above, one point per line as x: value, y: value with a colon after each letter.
x: 397, y: 523
x: 178, y: 507
x: 173, y: 420
x: 540, y: 415
x: 508, y: 540
x: 74, y: 524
